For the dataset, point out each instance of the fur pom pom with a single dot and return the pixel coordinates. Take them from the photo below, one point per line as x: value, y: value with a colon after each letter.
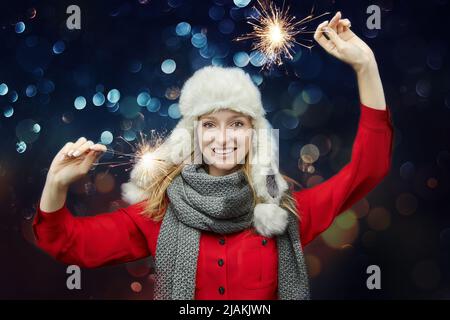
x: 269, y: 219
x: 132, y: 193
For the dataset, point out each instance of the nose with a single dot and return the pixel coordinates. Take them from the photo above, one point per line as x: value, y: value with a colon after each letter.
x: 223, y: 136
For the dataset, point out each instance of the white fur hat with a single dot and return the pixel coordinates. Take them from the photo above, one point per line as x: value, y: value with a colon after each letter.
x: 209, y: 89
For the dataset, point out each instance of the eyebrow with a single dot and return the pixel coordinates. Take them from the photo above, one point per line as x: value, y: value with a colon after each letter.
x: 232, y: 117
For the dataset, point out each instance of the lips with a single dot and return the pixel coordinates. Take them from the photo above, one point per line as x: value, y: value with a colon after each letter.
x: 223, y: 151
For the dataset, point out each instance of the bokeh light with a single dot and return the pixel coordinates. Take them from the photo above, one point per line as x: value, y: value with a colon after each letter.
x: 154, y: 105
x: 216, y: 12
x: 45, y: 86
x: 129, y: 135
x: 36, y: 128
x: 143, y: 99
x: 407, y: 170
x: 136, y: 287
x: 113, y: 96
x: 134, y: 66
x: 314, y: 265
x: 309, y: 153
x: 8, y: 111
x: 208, y: 51
x: 168, y: 66
x: 106, y: 137
x: 59, y: 47
x: 323, y: 143
x: 226, y: 26
x: 313, y: 180
x: 21, y: 146
x: 257, y: 79
x: 378, y: 219
x: 113, y: 107
x: 199, y: 40
x: 285, y: 118
x: 129, y: 107
x: 31, y: 13
x: 312, y: 94
x: 79, y: 103
x: 174, y: 111
x: 241, y: 3
x: 183, y: 29
x: 13, y: 96
x: 30, y: 91
x: 257, y: 58
x: 98, y: 99
x: 139, y: 268
x: 172, y: 93
x: 3, y: 89
x: 67, y: 117
x: 241, y: 59
x: 104, y: 182
x: 20, y: 27
x: 343, y: 230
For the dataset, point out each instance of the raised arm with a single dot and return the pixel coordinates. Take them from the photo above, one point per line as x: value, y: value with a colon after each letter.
x: 108, y: 238
x: 372, y: 148
x: 369, y: 164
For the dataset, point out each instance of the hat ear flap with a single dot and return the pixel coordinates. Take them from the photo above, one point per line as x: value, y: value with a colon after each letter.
x: 268, y: 182
x: 179, y: 145
x: 269, y: 218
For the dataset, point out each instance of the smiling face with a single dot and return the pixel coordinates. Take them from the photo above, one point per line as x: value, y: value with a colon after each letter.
x: 224, y: 138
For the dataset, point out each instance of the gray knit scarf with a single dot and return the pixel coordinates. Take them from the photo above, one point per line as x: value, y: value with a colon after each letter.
x: 221, y: 204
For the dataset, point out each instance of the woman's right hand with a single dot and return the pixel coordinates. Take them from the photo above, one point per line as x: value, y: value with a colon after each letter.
x: 73, y: 161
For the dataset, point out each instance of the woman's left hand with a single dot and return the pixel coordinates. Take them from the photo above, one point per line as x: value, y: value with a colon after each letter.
x: 343, y: 43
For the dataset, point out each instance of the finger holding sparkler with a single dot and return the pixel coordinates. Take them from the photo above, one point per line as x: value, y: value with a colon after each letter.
x: 321, y: 30
x: 73, y: 161
x: 82, y: 146
x: 338, y: 40
x: 340, y: 26
x: 320, y: 36
x: 344, y: 26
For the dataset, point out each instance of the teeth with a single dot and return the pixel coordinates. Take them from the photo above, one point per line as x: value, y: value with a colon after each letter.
x: 223, y: 151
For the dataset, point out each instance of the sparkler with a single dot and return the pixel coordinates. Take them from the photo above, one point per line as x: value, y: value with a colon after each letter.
x: 143, y: 152
x: 274, y: 32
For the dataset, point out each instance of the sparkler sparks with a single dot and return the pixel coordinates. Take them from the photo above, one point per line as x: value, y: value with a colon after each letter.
x: 143, y: 152
x: 274, y: 32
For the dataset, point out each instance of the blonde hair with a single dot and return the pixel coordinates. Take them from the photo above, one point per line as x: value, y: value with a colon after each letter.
x: 155, y: 208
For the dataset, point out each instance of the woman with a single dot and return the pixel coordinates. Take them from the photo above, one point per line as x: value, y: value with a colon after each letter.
x: 227, y: 226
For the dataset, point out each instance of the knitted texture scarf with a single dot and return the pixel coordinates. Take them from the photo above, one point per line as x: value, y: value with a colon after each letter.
x: 221, y: 204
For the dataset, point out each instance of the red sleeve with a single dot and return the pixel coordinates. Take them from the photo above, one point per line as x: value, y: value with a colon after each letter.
x: 104, y: 239
x: 369, y: 164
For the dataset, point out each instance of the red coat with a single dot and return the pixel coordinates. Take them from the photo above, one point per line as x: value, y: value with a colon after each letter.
x: 236, y: 266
